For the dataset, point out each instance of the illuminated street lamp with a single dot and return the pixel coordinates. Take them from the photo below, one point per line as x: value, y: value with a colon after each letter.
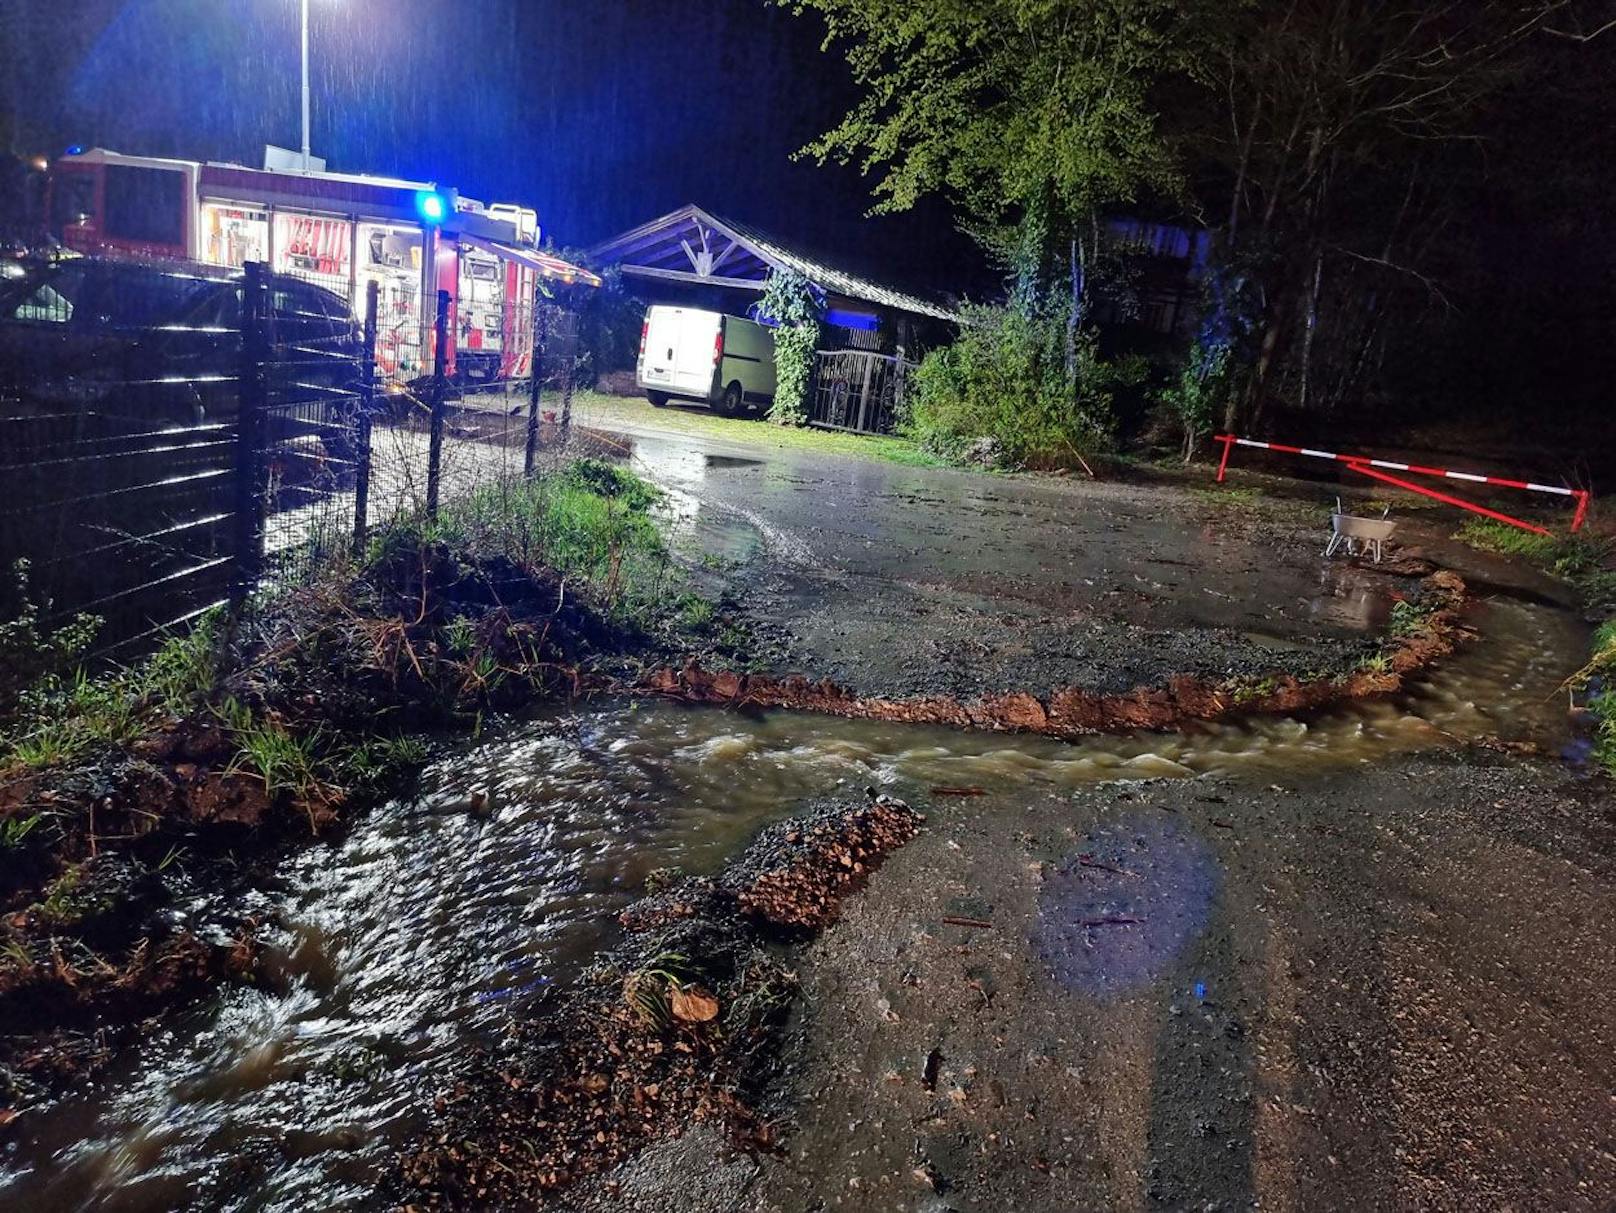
x: 305, y: 85
x: 307, y: 158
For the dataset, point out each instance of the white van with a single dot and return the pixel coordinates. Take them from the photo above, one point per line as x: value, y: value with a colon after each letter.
x: 690, y: 354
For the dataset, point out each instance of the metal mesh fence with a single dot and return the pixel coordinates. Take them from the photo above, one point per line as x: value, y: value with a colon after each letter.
x: 117, y: 439
x: 176, y: 437
x: 309, y: 366
x: 486, y: 435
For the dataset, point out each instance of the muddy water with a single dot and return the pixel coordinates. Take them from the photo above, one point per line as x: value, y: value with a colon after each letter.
x: 445, y: 915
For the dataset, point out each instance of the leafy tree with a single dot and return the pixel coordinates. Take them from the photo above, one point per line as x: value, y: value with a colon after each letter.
x: 1034, y: 116
x: 1031, y: 114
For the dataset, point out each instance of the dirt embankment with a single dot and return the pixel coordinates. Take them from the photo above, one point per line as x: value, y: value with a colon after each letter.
x: 680, y: 1024
x: 1426, y: 632
x: 116, y: 868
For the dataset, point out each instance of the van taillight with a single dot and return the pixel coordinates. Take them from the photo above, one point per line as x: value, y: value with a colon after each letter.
x: 718, y: 347
x: 645, y: 332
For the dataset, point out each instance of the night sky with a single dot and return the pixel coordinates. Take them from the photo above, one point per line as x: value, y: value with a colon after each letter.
x: 599, y: 115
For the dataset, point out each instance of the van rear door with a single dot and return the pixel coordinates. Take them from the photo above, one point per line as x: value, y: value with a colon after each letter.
x: 679, y: 346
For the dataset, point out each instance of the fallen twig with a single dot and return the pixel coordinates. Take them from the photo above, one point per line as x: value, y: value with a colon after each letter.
x: 1088, y: 861
x: 955, y: 920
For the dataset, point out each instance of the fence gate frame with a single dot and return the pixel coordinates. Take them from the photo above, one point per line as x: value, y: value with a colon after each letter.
x: 857, y: 391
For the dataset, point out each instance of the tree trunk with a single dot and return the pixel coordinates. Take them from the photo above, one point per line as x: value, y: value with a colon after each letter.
x: 1311, y: 322
x: 1074, y: 316
x: 1258, y: 395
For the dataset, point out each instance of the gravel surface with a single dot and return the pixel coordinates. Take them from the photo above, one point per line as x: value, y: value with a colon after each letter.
x: 1373, y: 989
x: 904, y: 581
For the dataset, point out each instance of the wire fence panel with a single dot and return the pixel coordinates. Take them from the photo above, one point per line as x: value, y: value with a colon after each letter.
x: 485, y: 438
x: 314, y: 390
x: 118, y: 517
x: 236, y: 431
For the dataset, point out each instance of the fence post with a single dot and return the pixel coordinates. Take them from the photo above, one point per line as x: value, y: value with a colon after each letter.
x: 568, y: 372
x: 535, y: 386
x: 440, y: 363
x: 251, y: 408
x: 367, y: 404
x: 864, y: 393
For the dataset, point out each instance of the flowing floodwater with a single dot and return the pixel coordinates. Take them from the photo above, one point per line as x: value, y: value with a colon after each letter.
x: 442, y: 916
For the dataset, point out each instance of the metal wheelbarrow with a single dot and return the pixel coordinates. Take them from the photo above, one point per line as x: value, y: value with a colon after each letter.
x: 1359, y: 534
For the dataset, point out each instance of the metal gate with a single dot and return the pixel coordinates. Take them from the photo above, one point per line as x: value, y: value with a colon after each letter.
x: 859, y: 391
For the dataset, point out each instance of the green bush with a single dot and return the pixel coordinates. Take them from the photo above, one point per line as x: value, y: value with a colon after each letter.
x: 609, y: 320
x: 1200, y: 394
x: 1600, y: 675
x: 1006, y: 380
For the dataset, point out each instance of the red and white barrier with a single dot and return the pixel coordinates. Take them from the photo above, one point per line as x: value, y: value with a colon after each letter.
x: 1365, y: 466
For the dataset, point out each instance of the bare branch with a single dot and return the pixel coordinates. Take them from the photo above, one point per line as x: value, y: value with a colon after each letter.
x: 1589, y: 37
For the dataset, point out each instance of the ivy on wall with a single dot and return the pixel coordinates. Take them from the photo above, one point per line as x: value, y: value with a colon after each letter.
x: 794, y: 305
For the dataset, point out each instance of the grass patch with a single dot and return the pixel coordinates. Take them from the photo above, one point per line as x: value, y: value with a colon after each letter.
x: 695, y: 613
x: 1229, y: 495
x: 62, y: 717
x: 1409, y: 619
x: 1491, y: 536
x: 600, y: 410
x: 1250, y: 690
x: 1582, y: 559
x: 1375, y: 663
x: 67, y: 900
x: 591, y: 523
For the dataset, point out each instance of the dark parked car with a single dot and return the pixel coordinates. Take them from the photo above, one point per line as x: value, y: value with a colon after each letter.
x: 162, y: 342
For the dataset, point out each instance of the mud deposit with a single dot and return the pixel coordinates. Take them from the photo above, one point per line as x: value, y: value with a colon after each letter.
x: 448, y: 920
x: 1074, y: 711
x: 678, y: 1025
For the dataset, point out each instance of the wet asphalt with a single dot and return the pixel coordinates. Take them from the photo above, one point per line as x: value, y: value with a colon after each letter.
x: 903, y: 581
x: 1376, y: 989
x: 1374, y: 983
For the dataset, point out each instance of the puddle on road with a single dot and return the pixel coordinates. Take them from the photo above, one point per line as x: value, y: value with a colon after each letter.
x: 431, y: 925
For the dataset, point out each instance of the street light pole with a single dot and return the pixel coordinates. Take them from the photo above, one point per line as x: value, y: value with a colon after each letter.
x: 306, y: 160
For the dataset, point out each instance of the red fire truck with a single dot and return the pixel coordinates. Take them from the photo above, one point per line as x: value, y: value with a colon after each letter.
x: 341, y: 231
